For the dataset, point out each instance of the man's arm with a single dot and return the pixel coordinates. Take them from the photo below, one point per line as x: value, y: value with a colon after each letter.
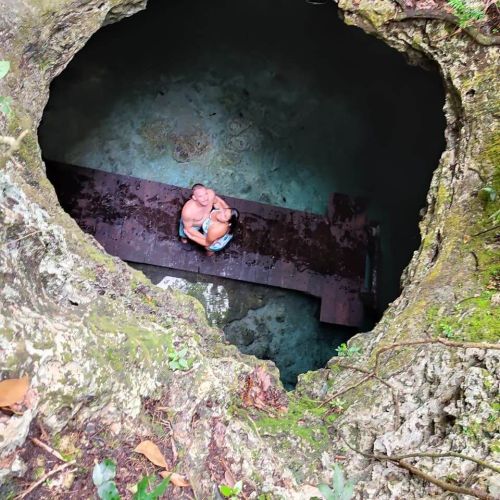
x: 219, y: 202
x: 194, y: 234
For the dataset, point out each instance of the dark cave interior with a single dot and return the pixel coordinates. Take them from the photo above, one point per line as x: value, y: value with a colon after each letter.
x: 277, y: 102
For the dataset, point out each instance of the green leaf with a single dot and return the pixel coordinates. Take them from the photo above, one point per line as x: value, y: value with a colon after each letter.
x: 348, y: 491
x: 495, y: 217
x: 226, y: 490
x: 182, y: 353
x: 237, y: 488
x: 142, y: 486
x: 108, y: 491
x: 160, y: 489
x: 103, y: 472
x: 488, y: 194
x: 5, y: 103
x: 174, y: 365
x: 4, y: 68
x: 326, y: 491
x: 338, y: 479
x: 183, y: 364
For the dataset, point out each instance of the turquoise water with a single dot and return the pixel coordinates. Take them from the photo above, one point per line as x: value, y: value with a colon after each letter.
x: 271, y: 100
x: 266, y: 322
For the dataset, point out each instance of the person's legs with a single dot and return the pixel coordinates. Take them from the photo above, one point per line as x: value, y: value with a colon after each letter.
x: 182, y: 234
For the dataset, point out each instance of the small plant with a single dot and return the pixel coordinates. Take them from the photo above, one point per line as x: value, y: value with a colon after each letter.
x: 103, y: 477
x: 178, y: 360
x: 338, y: 405
x: 446, y: 329
x: 340, y: 490
x: 231, y: 492
x: 465, y: 13
x: 144, y: 484
x: 4, y: 101
x: 345, y: 351
x: 487, y: 194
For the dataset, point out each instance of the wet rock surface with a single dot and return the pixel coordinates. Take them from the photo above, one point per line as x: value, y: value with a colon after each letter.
x: 94, y: 335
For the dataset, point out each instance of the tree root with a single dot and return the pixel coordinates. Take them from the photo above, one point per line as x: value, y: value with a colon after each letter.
x: 439, y: 15
x: 374, y: 374
x: 399, y: 460
x: 35, y: 485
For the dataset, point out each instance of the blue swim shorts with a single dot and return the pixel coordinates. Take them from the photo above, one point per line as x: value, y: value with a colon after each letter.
x: 182, y: 234
x: 219, y: 244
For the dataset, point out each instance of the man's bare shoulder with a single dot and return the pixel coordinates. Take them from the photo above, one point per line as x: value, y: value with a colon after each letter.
x: 188, y: 208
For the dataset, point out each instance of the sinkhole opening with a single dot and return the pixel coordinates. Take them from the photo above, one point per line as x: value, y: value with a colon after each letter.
x: 276, y: 104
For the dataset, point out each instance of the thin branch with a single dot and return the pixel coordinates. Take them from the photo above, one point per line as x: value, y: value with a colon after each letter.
x: 485, y: 231
x: 394, y: 391
x: 337, y: 394
x: 483, y: 495
x: 35, y: 485
x: 7, y: 243
x: 439, y: 15
x: 367, y: 372
x: 446, y: 454
x: 483, y: 180
x: 445, y: 342
x: 47, y: 448
x: 474, y: 492
x: 373, y: 374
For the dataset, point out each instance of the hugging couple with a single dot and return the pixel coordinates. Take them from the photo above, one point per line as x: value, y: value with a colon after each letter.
x: 207, y: 220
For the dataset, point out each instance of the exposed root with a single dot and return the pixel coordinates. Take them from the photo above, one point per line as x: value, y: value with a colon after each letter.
x: 399, y: 460
x: 35, y: 485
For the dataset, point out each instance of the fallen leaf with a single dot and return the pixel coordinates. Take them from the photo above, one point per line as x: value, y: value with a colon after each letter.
x: 176, y: 479
x: 13, y: 390
x: 152, y: 453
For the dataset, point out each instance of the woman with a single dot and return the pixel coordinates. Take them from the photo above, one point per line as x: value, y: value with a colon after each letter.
x: 219, y: 228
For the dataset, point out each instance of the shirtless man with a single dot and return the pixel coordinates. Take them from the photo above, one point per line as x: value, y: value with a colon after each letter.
x: 196, y: 211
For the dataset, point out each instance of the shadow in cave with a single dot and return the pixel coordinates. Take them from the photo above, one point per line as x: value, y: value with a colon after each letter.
x: 273, y: 101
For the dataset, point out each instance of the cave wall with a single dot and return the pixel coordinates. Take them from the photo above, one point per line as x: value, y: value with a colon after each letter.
x: 93, y: 334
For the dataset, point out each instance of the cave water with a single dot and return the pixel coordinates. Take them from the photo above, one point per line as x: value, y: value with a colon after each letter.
x: 273, y: 101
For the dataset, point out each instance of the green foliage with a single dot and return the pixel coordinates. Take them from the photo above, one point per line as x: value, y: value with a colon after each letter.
x: 145, y: 483
x: 446, y: 329
x: 231, y: 493
x: 495, y: 217
x: 495, y: 446
x: 340, y: 490
x: 338, y: 403
x: 488, y: 194
x: 178, y: 360
x: 4, y: 68
x: 5, y: 102
x: 345, y: 351
x: 300, y: 409
x: 465, y: 13
x: 103, y: 477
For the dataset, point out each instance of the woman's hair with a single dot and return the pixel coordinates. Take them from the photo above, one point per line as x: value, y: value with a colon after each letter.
x: 233, y: 221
